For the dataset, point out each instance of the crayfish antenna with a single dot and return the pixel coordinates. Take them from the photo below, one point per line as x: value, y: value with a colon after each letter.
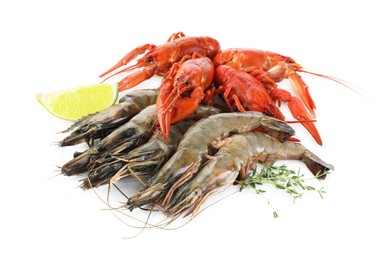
x: 119, y: 72
x: 339, y: 81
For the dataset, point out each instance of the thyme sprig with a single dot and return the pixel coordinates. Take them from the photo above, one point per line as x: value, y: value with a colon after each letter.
x: 280, y: 177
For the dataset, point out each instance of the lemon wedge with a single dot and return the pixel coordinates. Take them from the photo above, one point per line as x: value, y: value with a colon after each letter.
x: 72, y: 104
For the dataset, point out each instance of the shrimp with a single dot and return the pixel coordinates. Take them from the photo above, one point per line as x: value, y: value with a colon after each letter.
x: 160, y: 58
x: 126, y: 136
x: 194, y: 148
x: 146, y: 159
x: 274, y: 150
x: 236, y: 156
x: 99, y: 124
x: 142, y: 161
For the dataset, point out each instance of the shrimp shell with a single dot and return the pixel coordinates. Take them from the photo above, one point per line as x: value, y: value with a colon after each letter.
x: 237, y: 155
x: 146, y: 159
x: 195, y: 145
x: 126, y: 136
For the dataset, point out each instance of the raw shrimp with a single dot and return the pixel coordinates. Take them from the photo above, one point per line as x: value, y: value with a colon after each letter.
x: 126, y: 136
x: 236, y: 156
x: 99, y: 124
x: 142, y: 161
x: 194, y: 147
x: 146, y: 159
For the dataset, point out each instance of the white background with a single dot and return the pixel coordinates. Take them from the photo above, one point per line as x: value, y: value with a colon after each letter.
x: 51, y: 45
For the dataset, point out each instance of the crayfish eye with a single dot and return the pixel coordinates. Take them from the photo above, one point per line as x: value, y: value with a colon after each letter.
x: 186, y: 83
x: 267, y: 113
x: 148, y: 60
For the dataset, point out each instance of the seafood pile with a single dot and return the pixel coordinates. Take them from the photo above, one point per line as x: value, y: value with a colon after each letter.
x: 213, y: 118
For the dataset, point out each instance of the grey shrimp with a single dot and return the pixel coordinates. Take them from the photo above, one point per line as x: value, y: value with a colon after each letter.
x: 194, y: 147
x: 236, y: 156
x: 146, y: 159
x: 127, y: 136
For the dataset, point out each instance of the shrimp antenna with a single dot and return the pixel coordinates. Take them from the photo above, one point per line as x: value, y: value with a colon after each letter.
x: 170, y: 220
x: 219, y: 200
x: 144, y: 227
x: 196, y: 213
x: 117, y: 211
x: 201, y: 210
x: 120, y: 191
x: 55, y: 175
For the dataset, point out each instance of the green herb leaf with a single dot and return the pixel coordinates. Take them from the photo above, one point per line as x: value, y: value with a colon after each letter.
x: 281, y: 178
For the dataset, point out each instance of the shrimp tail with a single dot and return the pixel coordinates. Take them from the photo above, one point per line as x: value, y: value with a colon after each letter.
x: 317, y: 166
x: 277, y: 129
